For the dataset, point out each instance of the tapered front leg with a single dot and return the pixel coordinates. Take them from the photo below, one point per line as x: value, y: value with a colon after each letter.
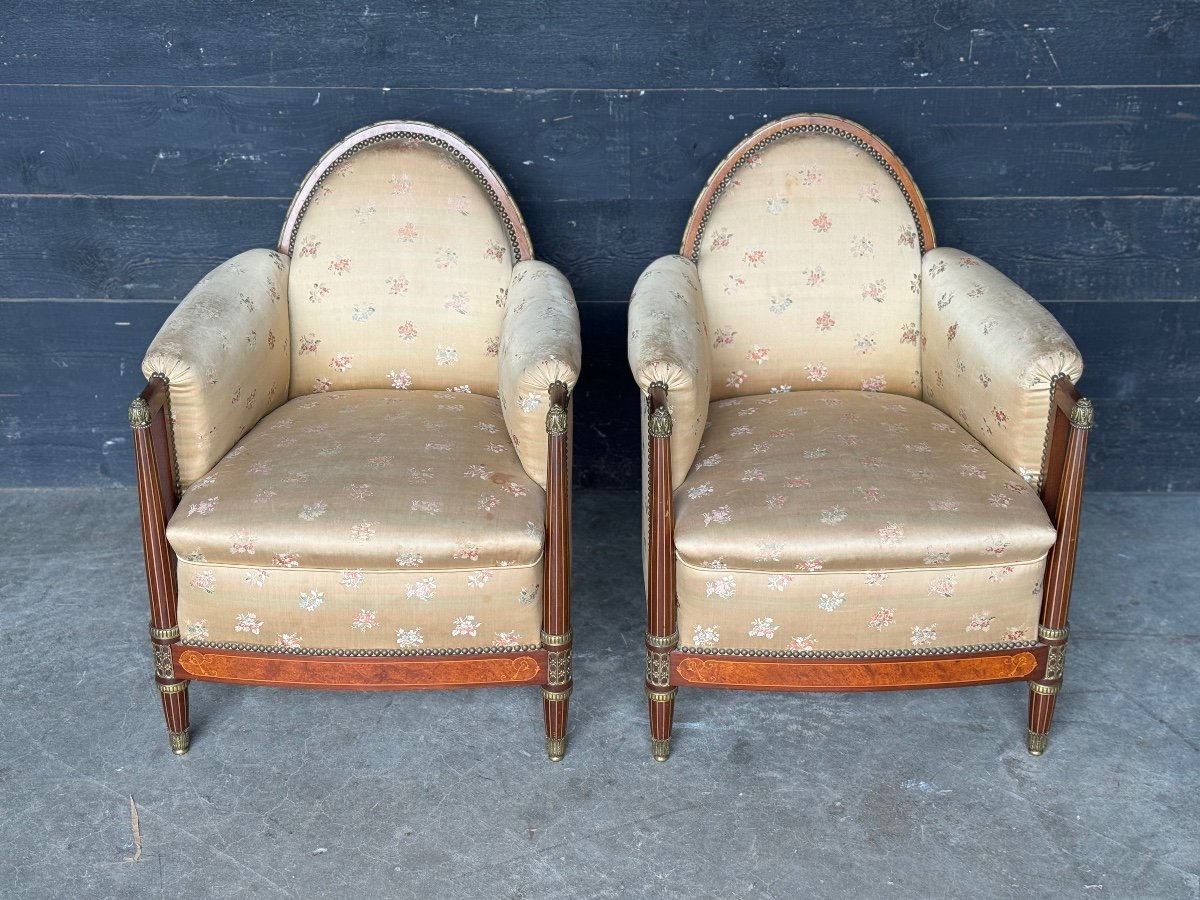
x: 662, y: 634
x: 556, y: 576
x: 1064, y: 495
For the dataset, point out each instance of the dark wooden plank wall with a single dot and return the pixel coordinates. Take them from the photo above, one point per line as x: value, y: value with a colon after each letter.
x: 141, y: 143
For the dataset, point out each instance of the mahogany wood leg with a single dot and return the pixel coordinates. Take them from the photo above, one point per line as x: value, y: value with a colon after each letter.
x: 555, y: 706
x: 175, y: 709
x: 662, y: 712
x: 1041, y: 711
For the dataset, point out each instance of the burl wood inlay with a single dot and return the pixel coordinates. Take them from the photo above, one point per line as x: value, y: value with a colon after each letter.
x: 363, y: 674
x: 854, y: 674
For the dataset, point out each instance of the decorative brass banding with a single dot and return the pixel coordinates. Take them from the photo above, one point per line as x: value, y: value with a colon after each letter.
x: 179, y: 740
x: 556, y: 748
x: 658, y: 668
x: 139, y: 413
x: 1048, y: 690
x: 661, y: 748
x: 660, y: 423
x: 364, y: 652
x: 177, y: 687
x: 1053, y: 634
x: 1056, y: 661
x: 556, y: 419
x: 556, y: 640
x: 1083, y: 415
x: 163, y: 667
x: 661, y: 696
x: 897, y: 653
x: 164, y: 634
x: 548, y: 694
x: 1037, y: 742
x: 669, y: 640
x: 558, y: 666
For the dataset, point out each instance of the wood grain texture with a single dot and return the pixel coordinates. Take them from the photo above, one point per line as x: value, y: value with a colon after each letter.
x: 359, y: 673
x: 587, y: 43
x: 130, y: 140
x: 850, y: 674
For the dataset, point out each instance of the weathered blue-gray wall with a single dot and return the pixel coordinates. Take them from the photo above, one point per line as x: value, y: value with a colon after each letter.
x: 143, y: 142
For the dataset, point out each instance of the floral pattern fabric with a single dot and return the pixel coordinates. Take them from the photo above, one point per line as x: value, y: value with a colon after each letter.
x: 224, y: 351
x: 990, y: 354
x: 813, y: 512
x: 400, y: 274
x: 810, y: 263
x: 668, y: 344
x: 539, y: 345
x: 365, y: 519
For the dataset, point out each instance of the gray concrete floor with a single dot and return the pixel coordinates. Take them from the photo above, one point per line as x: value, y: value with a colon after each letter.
x: 311, y: 794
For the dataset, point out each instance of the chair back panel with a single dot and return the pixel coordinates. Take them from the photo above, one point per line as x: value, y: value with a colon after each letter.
x: 402, y: 242
x: 808, y: 241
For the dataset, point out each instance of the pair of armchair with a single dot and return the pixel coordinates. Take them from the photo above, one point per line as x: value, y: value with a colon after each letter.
x: 863, y: 455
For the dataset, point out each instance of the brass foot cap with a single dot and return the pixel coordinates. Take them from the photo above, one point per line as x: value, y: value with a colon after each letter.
x: 180, y: 740
x: 662, y: 749
x: 556, y: 748
x: 1037, y: 743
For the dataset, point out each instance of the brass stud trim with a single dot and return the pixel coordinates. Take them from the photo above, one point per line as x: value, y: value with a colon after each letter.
x: 556, y: 640
x: 661, y: 696
x: 177, y: 687
x: 1053, y: 634
x: 556, y: 748
x: 548, y: 694
x: 663, y: 642
x: 1048, y: 690
x: 164, y: 634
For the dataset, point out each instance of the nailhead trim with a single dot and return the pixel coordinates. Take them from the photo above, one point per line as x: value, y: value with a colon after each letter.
x: 363, y: 653
x: 854, y: 654
x: 407, y: 136
x: 788, y: 132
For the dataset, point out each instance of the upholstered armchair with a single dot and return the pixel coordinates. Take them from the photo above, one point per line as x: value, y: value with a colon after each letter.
x: 864, y: 453
x: 353, y: 451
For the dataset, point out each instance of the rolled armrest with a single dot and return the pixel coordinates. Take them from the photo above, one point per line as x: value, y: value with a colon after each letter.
x: 539, y: 345
x: 990, y: 356
x: 224, y: 353
x: 668, y: 344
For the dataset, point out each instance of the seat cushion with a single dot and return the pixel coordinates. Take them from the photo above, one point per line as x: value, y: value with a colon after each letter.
x: 364, y: 520
x: 846, y: 521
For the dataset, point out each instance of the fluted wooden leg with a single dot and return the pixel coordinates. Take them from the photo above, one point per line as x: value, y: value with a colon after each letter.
x: 175, y: 710
x: 1041, y: 711
x: 555, y: 705
x: 662, y: 712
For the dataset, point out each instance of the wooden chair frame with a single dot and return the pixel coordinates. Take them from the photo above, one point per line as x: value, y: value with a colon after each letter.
x: 177, y: 665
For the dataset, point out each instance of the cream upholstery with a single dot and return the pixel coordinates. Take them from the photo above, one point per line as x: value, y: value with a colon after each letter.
x: 539, y: 346
x: 810, y: 262
x: 400, y: 269
x: 224, y: 351
x: 668, y: 345
x: 849, y: 520
x: 364, y: 520
x: 991, y: 354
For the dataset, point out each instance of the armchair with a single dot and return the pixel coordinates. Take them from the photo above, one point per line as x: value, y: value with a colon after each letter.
x: 353, y: 451
x: 864, y: 454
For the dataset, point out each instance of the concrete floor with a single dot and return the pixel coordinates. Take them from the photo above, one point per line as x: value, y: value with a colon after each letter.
x: 311, y: 794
